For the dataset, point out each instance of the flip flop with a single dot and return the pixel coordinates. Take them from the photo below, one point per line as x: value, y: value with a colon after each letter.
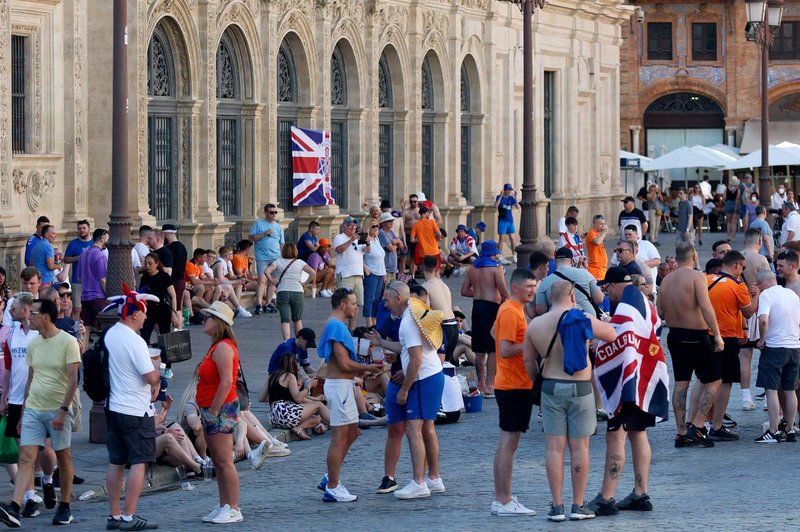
x: 301, y: 433
x: 322, y: 428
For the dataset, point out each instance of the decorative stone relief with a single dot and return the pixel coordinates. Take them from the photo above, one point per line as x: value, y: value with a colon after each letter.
x: 211, y: 89
x: 79, y: 105
x: 141, y: 104
x: 478, y: 4
x: 12, y: 269
x: 186, y: 152
x: 338, y: 10
x: 392, y: 16
x: 283, y: 7
x: 435, y: 21
x: 5, y: 99
x: 35, y: 186
x: 20, y: 184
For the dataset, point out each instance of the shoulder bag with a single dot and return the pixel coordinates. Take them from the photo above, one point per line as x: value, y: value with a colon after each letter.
x: 597, y: 310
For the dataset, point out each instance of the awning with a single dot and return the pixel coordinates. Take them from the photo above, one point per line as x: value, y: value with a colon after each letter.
x: 779, y: 131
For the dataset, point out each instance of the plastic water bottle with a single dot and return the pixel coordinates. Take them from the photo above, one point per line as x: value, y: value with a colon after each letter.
x: 186, y: 317
x: 76, y: 328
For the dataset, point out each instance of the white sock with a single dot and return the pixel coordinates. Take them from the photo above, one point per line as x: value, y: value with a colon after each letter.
x: 746, y: 395
x: 47, y: 479
x: 29, y: 494
x: 127, y: 517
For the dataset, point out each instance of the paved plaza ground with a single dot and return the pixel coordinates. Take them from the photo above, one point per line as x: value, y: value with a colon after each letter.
x: 738, y: 485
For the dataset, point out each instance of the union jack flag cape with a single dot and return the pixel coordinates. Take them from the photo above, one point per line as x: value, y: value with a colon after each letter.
x: 633, y: 367
x: 311, y: 164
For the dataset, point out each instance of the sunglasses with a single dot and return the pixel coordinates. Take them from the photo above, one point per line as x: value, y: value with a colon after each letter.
x: 620, y: 250
x: 272, y: 212
x: 64, y: 295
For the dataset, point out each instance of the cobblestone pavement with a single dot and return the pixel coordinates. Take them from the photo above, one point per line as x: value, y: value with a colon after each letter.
x: 740, y: 484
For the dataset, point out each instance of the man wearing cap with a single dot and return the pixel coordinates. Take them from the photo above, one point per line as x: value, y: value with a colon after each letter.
x: 463, y: 251
x: 485, y: 283
x: 299, y: 346
x: 391, y: 243
x: 426, y: 235
x: 350, y: 262
x: 267, y: 235
x: 72, y: 254
x: 130, y: 417
x: 477, y: 231
x: 180, y: 256
x: 436, y: 215
x: 307, y: 243
x: 586, y: 285
x: 791, y: 223
x: 505, y: 203
x: 631, y: 215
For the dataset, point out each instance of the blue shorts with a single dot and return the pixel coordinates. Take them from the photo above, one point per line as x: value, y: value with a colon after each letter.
x: 506, y: 227
x: 425, y: 398
x: 394, y: 413
x: 261, y: 266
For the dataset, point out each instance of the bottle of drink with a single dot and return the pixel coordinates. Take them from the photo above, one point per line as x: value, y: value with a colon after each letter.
x: 186, y: 317
x: 77, y: 330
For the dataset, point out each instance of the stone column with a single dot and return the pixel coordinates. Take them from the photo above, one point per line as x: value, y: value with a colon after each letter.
x: 730, y: 136
x: 636, y: 131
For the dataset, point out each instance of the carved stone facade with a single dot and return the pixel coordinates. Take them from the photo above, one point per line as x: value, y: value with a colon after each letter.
x: 179, y: 159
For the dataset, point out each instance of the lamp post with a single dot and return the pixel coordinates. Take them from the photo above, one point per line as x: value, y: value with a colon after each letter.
x: 529, y: 227
x: 763, y: 19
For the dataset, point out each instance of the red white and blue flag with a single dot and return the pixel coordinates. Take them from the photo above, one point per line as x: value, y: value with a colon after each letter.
x: 311, y: 165
x: 633, y: 368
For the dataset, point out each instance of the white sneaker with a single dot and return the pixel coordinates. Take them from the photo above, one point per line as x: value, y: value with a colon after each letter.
x: 258, y: 455
x: 514, y: 258
x: 504, y: 261
x: 228, y: 515
x: 338, y: 494
x: 244, y: 313
x: 326, y: 293
x: 274, y: 451
x: 748, y: 405
x: 212, y: 515
x: 413, y: 491
x: 435, y: 486
x: 513, y: 507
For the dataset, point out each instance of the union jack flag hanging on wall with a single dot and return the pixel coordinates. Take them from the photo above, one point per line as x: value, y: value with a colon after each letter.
x: 311, y: 165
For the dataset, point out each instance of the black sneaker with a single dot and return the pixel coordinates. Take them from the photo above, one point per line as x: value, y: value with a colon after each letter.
x: 50, y: 499
x: 388, y: 485
x: 601, y: 506
x: 112, y: 523
x: 782, y: 425
x: 723, y: 434
x: 31, y: 509
x: 9, y: 516
x: 791, y: 436
x: 768, y: 437
x: 257, y: 310
x: 635, y: 503
x: 698, y: 435
x: 76, y: 480
x: 682, y: 440
x: 270, y: 309
x: 63, y: 515
x: 728, y: 421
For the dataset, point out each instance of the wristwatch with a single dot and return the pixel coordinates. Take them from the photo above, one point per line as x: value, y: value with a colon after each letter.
x: 64, y: 408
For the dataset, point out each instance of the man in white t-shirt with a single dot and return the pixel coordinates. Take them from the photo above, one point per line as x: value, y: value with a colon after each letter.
x: 647, y: 253
x: 134, y: 383
x: 779, y: 328
x: 141, y: 249
x: 791, y: 223
x: 350, y: 262
x: 15, y: 351
x: 572, y: 211
x: 421, y: 392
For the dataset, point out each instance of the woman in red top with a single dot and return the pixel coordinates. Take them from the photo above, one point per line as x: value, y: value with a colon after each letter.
x: 219, y: 408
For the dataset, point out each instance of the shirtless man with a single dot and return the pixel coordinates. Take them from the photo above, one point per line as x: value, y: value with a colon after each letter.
x: 684, y: 303
x: 786, y: 265
x: 440, y: 299
x: 753, y: 262
x: 567, y: 401
x: 485, y: 283
x: 410, y: 217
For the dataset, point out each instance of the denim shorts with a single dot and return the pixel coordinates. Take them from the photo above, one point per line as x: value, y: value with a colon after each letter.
x: 568, y: 408
x: 37, y: 427
x: 222, y: 423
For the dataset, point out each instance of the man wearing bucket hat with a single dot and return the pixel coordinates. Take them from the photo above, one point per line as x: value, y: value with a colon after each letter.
x: 421, y: 392
x: 485, y: 283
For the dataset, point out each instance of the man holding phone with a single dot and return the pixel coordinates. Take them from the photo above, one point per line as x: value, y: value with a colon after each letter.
x: 350, y: 249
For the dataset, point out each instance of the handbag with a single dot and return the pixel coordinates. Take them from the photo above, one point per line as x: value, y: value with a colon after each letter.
x: 537, y: 382
x: 9, y: 453
x: 242, y: 391
x: 176, y: 346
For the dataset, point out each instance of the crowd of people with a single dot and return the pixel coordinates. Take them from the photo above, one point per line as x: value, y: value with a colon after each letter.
x: 545, y: 335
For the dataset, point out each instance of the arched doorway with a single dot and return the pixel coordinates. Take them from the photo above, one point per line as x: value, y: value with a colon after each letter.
x: 287, y: 118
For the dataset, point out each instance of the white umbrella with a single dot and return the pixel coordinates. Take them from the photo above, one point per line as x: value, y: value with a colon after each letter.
x: 785, y: 154
x: 630, y: 155
x: 690, y: 157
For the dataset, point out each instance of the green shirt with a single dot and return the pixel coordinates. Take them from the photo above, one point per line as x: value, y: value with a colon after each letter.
x: 49, y: 358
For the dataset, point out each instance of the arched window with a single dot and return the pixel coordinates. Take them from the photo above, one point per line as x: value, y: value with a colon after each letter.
x: 428, y: 105
x: 385, y: 132
x: 229, y: 127
x: 339, y: 112
x: 466, y: 136
x: 162, y: 126
x: 287, y: 118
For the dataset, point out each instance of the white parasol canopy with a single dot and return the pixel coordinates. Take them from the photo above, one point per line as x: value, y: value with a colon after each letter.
x: 784, y: 154
x: 690, y: 157
x: 630, y: 155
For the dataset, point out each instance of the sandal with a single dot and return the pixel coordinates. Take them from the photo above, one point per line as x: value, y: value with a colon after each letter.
x: 322, y: 428
x: 301, y: 433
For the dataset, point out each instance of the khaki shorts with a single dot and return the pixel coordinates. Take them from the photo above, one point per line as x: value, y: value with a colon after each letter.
x: 354, y: 283
x: 340, y: 394
x: 567, y: 409
x: 37, y: 427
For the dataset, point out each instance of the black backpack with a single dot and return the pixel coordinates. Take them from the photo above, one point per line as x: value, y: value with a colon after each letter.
x: 95, y: 371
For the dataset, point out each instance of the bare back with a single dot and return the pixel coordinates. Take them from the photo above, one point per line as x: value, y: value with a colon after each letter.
x: 753, y: 262
x: 680, y: 297
x: 539, y: 334
x: 487, y: 284
x: 440, y: 297
x: 794, y: 286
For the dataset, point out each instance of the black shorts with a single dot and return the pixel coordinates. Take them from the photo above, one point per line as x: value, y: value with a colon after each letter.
x: 632, y: 418
x: 130, y: 439
x: 777, y: 368
x: 515, y: 408
x: 484, y: 314
x: 450, y: 333
x: 692, y: 351
x: 12, y: 420
x: 731, y: 370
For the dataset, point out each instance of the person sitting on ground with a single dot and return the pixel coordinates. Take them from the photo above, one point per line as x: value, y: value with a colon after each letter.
x: 464, y: 347
x: 291, y: 406
x: 240, y: 266
x: 321, y: 262
x: 173, y: 446
x: 463, y: 251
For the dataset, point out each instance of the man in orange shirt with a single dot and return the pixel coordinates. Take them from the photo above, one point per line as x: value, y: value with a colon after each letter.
x: 730, y: 298
x: 203, y: 291
x: 595, y: 247
x: 426, y: 235
x: 513, y: 389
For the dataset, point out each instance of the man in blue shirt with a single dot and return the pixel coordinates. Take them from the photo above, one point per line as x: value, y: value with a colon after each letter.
x: 267, y: 236
x: 72, y: 255
x: 299, y: 346
x: 43, y: 256
x: 760, y: 223
x: 307, y: 244
x: 505, y: 203
x: 35, y: 238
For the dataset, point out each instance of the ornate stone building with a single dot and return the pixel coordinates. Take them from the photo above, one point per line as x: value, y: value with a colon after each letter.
x: 420, y: 95
x: 690, y: 76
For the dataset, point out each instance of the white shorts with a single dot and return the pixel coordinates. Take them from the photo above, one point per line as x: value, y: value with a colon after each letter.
x: 340, y: 394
